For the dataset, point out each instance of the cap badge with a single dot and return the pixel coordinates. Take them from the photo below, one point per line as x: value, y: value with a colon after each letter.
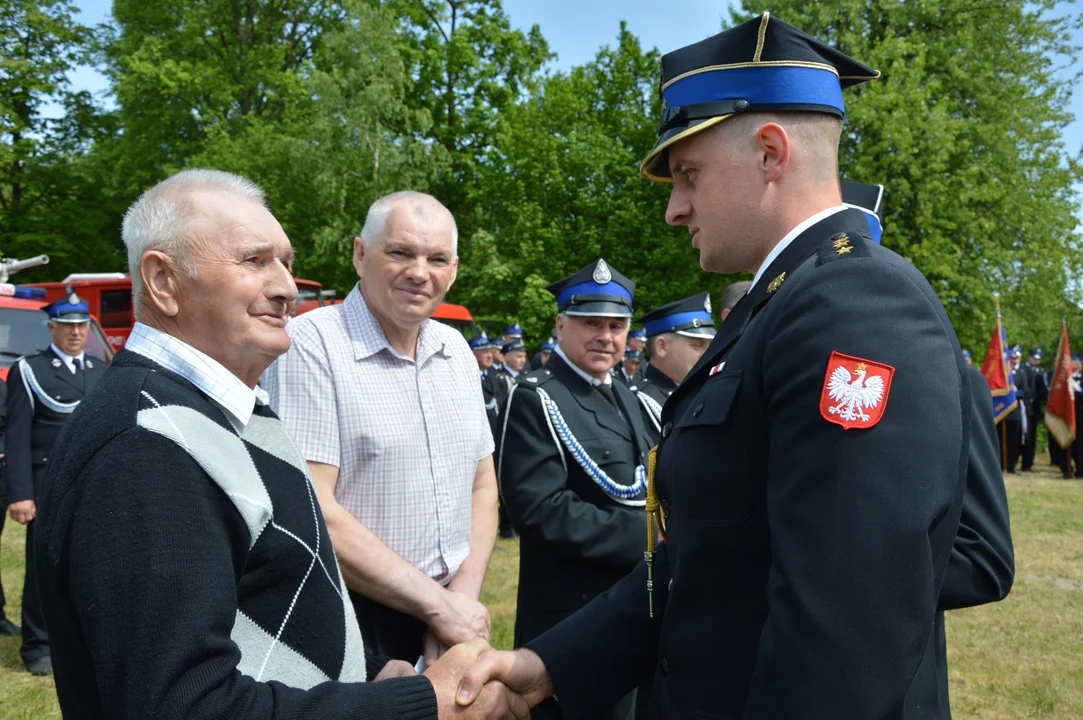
x: 707, y: 304
x: 776, y: 283
x: 73, y: 299
x: 602, y: 274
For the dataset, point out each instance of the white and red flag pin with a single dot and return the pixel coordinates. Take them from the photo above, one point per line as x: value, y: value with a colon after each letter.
x: 855, y: 391
x: 717, y: 368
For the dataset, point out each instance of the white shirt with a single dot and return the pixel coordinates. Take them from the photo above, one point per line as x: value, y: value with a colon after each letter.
x: 211, y: 377
x: 509, y: 371
x: 594, y: 382
x: 789, y: 238
x: 68, y: 360
x: 406, y: 434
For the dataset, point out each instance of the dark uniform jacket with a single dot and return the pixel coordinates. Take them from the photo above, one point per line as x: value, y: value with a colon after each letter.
x: 657, y: 386
x: 804, y: 561
x: 1033, y: 379
x: 982, y: 564
x: 576, y: 541
x: 32, y: 425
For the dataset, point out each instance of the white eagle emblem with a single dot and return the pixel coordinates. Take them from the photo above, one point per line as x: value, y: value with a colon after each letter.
x: 854, y: 396
x: 707, y: 303
x: 601, y: 273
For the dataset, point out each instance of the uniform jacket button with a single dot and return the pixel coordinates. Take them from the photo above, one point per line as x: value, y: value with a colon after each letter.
x: 666, y: 428
x: 698, y: 410
x: 606, y: 454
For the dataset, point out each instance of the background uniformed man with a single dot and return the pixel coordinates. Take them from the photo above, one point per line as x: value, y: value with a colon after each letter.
x: 1013, y: 424
x: 731, y: 296
x: 805, y: 548
x: 629, y: 371
x: 1036, y: 394
x: 542, y: 356
x: 42, y: 391
x: 572, y: 464
x: 678, y: 334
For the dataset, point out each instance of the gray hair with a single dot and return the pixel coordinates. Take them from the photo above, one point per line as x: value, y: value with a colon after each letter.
x: 734, y: 292
x: 163, y: 219
x: 424, y: 207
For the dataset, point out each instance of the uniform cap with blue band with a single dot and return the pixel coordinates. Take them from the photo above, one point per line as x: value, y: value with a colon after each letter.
x: 763, y: 65
x: 690, y: 316
x: 597, y: 290
x: 513, y: 346
x: 1037, y: 352
x: 513, y: 331
x: 870, y: 200
x: 481, y: 342
x: 549, y: 344
x: 70, y: 309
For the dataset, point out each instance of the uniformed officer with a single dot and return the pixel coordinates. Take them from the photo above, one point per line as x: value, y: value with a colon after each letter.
x: 678, y: 334
x: 806, y: 548
x: 542, y: 356
x: 981, y: 568
x: 515, y: 363
x: 572, y: 467
x: 637, y: 339
x: 628, y: 372
x: 966, y: 356
x: 483, y: 354
x: 511, y: 334
x: 42, y: 391
x: 1037, y: 393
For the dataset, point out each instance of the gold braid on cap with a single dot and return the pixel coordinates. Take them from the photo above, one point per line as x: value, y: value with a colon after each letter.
x: 656, y: 523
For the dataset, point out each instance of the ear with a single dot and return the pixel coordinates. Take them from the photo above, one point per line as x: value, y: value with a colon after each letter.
x: 724, y: 313
x: 775, y: 151
x: 560, y: 327
x: 358, y: 254
x: 159, y: 282
x: 454, y: 272
x: 661, y: 346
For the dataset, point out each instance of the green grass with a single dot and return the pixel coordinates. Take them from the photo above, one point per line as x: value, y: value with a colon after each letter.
x: 1021, y: 658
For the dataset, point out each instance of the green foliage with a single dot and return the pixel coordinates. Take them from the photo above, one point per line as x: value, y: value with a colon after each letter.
x: 964, y: 131
x: 49, y: 199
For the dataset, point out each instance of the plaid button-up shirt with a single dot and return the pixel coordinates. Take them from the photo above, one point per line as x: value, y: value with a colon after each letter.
x: 406, y: 436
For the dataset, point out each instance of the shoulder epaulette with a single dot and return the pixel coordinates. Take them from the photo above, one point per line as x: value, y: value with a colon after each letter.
x: 536, y: 377
x: 844, y: 245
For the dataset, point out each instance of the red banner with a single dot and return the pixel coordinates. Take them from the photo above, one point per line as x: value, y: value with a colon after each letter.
x: 1060, y: 411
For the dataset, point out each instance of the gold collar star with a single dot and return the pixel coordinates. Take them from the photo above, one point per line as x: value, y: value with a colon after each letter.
x: 776, y: 283
x: 844, y: 250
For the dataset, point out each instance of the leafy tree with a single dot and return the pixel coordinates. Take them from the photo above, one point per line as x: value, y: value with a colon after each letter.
x: 305, y: 97
x: 564, y: 189
x: 964, y: 130
x: 48, y: 189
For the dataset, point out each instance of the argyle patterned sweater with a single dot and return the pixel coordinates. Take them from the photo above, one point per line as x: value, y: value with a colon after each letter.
x: 186, y: 570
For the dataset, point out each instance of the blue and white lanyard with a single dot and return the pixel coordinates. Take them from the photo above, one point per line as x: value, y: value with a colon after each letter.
x: 624, y: 494
x: 30, y: 382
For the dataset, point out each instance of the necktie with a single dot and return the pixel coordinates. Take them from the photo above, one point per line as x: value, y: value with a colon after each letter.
x: 80, y: 376
x: 607, y: 393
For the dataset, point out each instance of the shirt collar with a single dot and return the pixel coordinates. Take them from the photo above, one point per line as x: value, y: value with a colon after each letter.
x: 594, y: 382
x: 210, y: 376
x: 65, y: 357
x: 790, y: 237
x: 369, y: 338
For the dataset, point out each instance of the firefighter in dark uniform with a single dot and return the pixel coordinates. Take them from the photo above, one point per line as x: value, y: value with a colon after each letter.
x: 629, y: 371
x: 482, y: 348
x: 812, y: 466
x: 42, y: 391
x: 678, y: 334
x: 573, y: 459
x: 542, y: 356
x: 981, y: 568
x: 1037, y: 393
x: 513, y: 333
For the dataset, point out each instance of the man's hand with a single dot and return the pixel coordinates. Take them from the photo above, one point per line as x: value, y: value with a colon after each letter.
x: 461, y: 618
x: 395, y: 669
x: 24, y: 511
x: 522, y: 671
x: 433, y: 649
x: 492, y: 700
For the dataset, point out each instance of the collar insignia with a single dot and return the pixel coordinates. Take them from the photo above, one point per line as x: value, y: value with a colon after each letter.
x: 602, y: 274
x: 532, y: 379
x: 90, y: 365
x: 776, y: 283
x: 56, y: 362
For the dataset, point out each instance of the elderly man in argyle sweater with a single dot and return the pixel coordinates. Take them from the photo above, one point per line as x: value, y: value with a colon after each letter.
x: 184, y: 562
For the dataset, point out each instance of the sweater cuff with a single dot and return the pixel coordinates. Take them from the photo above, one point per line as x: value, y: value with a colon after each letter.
x: 415, y: 697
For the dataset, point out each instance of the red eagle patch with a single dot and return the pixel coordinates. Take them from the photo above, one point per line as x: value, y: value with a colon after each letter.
x: 855, y: 391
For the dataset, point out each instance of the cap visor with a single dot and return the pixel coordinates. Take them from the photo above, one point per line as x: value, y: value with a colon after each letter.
x: 701, y: 332
x: 70, y: 319
x: 599, y: 309
x: 656, y: 166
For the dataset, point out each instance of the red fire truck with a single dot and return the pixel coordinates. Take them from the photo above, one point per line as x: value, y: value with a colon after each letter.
x: 109, y: 296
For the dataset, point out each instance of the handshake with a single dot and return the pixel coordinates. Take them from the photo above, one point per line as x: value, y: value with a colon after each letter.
x: 472, y: 680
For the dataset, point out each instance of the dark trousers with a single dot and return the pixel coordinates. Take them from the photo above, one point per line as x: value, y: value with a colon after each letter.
x: 35, y: 640
x: 1014, y: 432
x: 1030, y: 444
x: 386, y: 632
x: 3, y: 515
